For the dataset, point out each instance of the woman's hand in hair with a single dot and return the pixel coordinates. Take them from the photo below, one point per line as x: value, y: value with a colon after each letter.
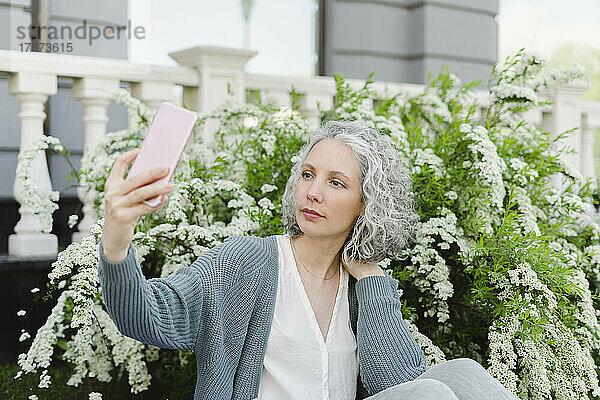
x: 123, y: 203
x: 361, y: 270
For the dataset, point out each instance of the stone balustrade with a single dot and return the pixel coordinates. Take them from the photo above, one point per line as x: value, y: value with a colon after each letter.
x: 204, y: 77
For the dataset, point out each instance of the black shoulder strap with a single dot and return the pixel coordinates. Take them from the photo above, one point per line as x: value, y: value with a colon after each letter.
x: 361, y: 392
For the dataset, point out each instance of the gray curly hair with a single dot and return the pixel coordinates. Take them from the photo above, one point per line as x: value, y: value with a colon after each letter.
x: 388, y: 220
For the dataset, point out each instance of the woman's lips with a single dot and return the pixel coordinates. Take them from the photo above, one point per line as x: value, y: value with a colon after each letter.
x: 309, y: 215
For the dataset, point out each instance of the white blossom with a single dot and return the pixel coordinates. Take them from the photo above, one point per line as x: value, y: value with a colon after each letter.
x: 42, y: 205
x: 266, y: 188
x: 266, y: 203
x: 427, y: 157
x: 430, y: 270
x: 24, y: 336
x: 451, y: 195
x: 250, y: 122
x: 72, y: 220
x: 433, y: 354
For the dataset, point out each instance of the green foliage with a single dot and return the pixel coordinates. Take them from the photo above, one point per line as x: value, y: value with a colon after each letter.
x: 497, y: 271
x: 170, y: 380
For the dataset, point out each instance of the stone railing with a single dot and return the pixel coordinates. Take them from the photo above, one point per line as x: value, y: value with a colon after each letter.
x: 201, y: 81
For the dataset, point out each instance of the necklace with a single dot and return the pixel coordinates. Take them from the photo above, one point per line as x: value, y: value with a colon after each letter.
x: 308, y: 270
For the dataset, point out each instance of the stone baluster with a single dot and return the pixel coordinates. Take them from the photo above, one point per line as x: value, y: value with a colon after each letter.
x: 281, y: 96
x: 313, y: 103
x: 95, y: 94
x: 32, y: 90
x: 220, y: 74
x: 154, y: 92
x: 588, y: 168
x: 566, y: 115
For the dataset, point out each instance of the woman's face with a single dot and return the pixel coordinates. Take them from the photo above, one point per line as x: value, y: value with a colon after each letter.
x: 330, y: 185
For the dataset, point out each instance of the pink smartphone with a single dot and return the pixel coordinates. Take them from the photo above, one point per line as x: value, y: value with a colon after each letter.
x: 164, y: 143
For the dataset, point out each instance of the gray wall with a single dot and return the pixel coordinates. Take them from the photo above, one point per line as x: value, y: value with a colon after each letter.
x: 403, y: 40
x: 9, y: 139
x: 13, y: 13
x: 65, y: 114
x: 15, y: 18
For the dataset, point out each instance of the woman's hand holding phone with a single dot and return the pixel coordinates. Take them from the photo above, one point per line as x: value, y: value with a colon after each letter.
x: 124, y: 203
x: 126, y: 200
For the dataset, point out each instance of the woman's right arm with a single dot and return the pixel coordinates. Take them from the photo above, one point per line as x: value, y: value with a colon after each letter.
x: 161, y: 312
x: 164, y: 312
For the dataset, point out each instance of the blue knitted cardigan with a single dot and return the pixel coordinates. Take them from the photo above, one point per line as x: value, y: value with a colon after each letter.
x: 222, y: 305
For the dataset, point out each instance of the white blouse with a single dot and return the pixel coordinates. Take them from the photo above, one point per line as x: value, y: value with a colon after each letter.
x: 298, y: 363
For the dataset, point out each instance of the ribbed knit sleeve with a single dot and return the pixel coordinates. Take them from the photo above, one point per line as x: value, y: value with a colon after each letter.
x: 387, y: 352
x: 161, y: 312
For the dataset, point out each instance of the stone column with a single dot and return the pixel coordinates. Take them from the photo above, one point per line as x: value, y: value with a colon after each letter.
x: 220, y: 74
x: 32, y: 90
x: 95, y: 94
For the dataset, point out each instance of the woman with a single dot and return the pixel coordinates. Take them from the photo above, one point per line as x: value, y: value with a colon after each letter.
x: 305, y: 315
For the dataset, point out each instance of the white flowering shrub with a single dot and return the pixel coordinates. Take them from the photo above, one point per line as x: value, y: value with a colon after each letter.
x: 501, y: 269
x: 505, y: 257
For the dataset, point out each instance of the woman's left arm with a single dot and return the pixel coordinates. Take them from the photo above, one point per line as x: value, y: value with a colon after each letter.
x: 387, y: 352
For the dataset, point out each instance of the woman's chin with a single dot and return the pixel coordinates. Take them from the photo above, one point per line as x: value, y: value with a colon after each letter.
x: 311, y: 229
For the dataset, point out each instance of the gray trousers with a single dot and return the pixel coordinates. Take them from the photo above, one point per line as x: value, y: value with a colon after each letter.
x: 459, y: 379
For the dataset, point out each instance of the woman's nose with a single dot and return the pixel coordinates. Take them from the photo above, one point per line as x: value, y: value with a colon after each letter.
x: 315, y: 192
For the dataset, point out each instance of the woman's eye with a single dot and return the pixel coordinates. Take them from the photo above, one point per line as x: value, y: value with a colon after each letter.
x: 307, y: 175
